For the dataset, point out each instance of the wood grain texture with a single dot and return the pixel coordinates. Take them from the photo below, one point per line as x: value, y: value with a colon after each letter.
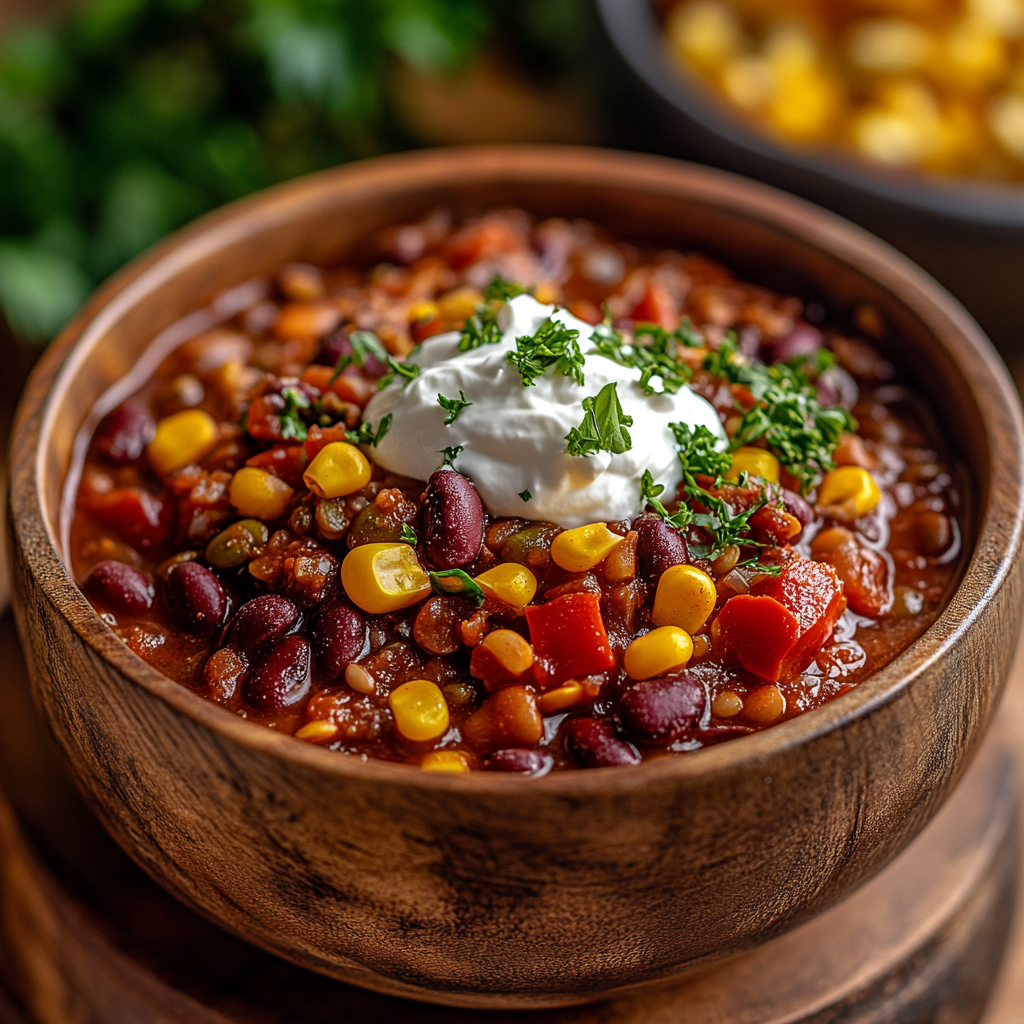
x: 487, y: 890
x: 86, y: 936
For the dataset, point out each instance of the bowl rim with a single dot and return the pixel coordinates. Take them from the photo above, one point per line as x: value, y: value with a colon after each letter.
x: 634, y: 31
x: 808, y: 224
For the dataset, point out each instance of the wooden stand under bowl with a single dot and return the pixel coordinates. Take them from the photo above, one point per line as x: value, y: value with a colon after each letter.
x: 85, y: 936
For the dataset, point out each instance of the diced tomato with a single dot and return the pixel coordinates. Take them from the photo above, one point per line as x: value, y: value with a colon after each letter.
x: 492, y: 235
x: 426, y: 328
x: 350, y: 387
x: 657, y: 307
x: 263, y: 420
x: 286, y: 461
x: 142, y: 519
x: 320, y: 437
x: 864, y: 573
x: 318, y: 376
x: 774, y: 525
x: 569, y: 639
x: 758, y: 632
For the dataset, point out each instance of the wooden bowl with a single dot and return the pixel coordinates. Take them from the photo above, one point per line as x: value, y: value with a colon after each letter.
x: 489, y: 890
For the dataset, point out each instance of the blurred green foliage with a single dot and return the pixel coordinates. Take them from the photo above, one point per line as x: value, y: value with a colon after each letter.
x: 126, y: 118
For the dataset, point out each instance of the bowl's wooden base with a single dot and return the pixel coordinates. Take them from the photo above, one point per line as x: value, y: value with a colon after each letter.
x: 86, y: 937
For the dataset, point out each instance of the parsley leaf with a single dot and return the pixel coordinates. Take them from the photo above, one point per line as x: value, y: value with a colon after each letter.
x: 482, y: 327
x: 525, y: 495
x: 603, y: 427
x: 764, y: 570
x: 649, y: 492
x: 407, y: 536
x: 453, y: 406
x: 656, y: 358
x: 456, y: 582
x: 364, y: 433
x: 500, y: 290
x: 553, y: 344
x: 364, y: 344
x: 404, y: 369
x: 451, y: 454
x: 293, y: 427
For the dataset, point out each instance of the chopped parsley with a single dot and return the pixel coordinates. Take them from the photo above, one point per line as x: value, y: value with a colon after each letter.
x: 482, y: 327
x: 364, y: 433
x: 451, y: 454
x: 453, y: 406
x: 454, y: 582
x: 603, y: 427
x: 552, y: 344
x: 293, y: 427
x: 404, y: 369
x: 500, y: 290
x: 364, y: 344
x: 525, y: 495
x: 407, y: 535
x: 655, y: 359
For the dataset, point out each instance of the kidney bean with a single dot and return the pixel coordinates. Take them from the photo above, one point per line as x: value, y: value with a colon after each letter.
x: 124, y: 432
x: 282, y: 678
x: 340, y: 637
x: 659, y: 547
x: 662, y: 710
x: 932, y: 532
x: 593, y: 744
x: 336, y: 344
x: 121, y: 588
x: 437, y: 625
x: 260, y: 624
x: 803, y: 340
x: 797, y: 507
x: 454, y: 520
x: 195, y: 597
x: 523, y: 762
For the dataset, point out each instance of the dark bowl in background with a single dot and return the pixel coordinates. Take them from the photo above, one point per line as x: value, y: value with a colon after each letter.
x: 970, y: 235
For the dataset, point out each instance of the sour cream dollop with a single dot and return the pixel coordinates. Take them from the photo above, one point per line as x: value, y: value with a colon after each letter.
x: 514, y: 436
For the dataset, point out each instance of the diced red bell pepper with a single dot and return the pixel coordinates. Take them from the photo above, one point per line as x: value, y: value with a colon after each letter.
x: 569, y: 639
x: 657, y: 307
x: 285, y: 461
x: 262, y: 420
x: 758, y: 632
x: 143, y: 520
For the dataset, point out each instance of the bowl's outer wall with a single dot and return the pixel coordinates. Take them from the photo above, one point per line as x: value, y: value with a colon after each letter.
x: 969, y: 236
x: 489, y: 890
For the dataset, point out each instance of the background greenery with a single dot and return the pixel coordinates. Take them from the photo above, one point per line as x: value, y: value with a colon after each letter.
x: 126, y: 118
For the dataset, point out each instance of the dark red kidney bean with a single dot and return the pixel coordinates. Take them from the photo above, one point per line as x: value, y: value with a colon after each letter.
x: 796, y: 506
x: 124, y: 432
x: 341, y: 637
x: 836, y: 387
x: 337, y: 344
x: 803, y: 340
x: 260, y: 624
x: 593, y: 744
x: 195, y: 597
x: 658, y: 547
x: 661, y: 710
x: 121, y: 588
x: 454, y: 520
x: 523, y: 762
x: 282, y: 678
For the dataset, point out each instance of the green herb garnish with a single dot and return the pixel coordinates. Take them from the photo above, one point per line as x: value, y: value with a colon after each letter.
x: 656, y: 358
x: 764, y: 570
x: 293, y: 427
x: 404, y: 369
x: 525, y: 495
x: 364, y: 344
x: 407, y: 535
x: 649, y: 495
x: 364, y: 433
x: 603, y: 427
x: 552, y: 344
x: 453, y: 406
x: 451, y: 454
x: 482, y: 327
x: 500, y: 290
x: 456, y: 583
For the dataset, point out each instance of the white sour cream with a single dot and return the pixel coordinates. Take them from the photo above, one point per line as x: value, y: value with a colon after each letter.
x: 514, y: 436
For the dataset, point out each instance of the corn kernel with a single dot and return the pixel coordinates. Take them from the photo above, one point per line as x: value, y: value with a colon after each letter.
x: 704, y: 33
x: 547, y: 294
x: 422, y: 311
x: 851, y: 487
x: 581, y: 549
x: 338, y: 469
x: 513, y: 584
x: 459, y: 305
x: 259, y: 494
x: 510, y: 650
x: 420, y: 711
x: 445, y: 761
x: 685, y: 598
x: 383, y: 578
x: 565, y: 696
x: 182, y: 439
x: 658, y: 652
x: 318, y: 731
x: 754, y: 462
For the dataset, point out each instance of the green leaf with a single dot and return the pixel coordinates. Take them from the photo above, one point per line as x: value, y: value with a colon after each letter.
x: 649, y: 495
x: 551, y: 345
x: 364, y: 344
x: 652, y: 352
x: 453, y: 406
x: 293, y: 427
x: 525, y: 495
x: 451, y: 454
x: 365, y: 434
x: 407, y: 536
x: 404, y: 369
x: 454, y: 582
x: 603, y: 427
x: 500, y: 290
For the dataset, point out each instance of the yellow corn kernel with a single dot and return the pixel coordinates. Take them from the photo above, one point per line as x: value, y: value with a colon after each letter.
x: 658, y: 652
x: 317, y: 731
x: 422, y: 311
x: 383, y: 578
x: 182, y: 439
x: 459, y: 304
x: 685, y: 598
x: 581, y: 549
x: 420, y: 710
x: 755, y: 462
x: 547, y: 294
x: 339, y: 468
x: 851, y: 487
x: 513, y: 584
x: 565, y: 696
x: 445, y: 761
x: 259, y: 494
